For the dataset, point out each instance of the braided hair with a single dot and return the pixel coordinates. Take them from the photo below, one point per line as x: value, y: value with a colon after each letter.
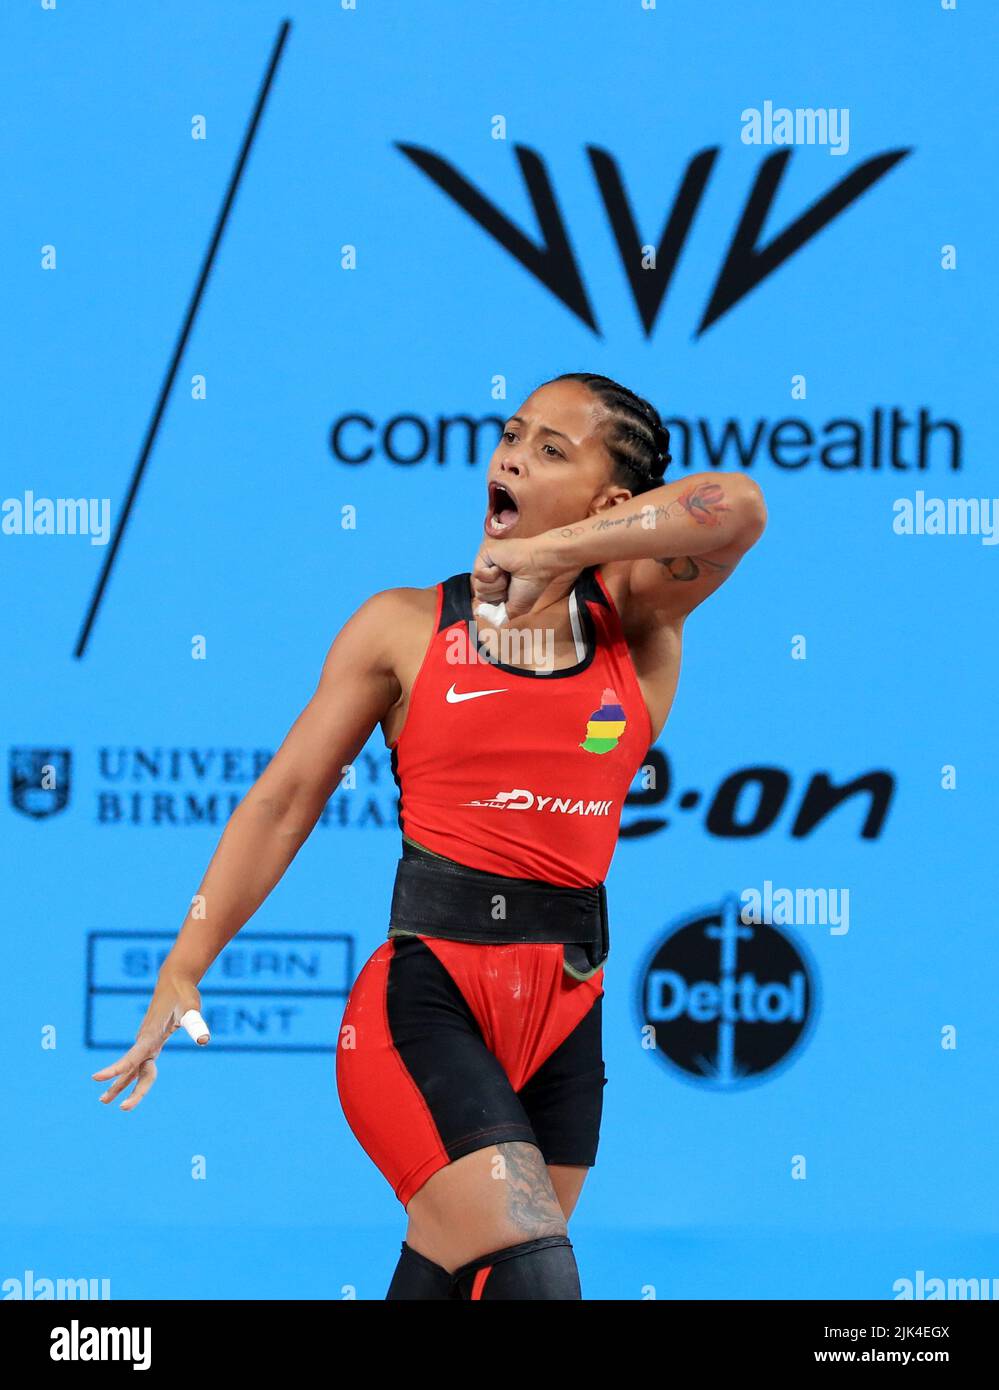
x: 636, y: 438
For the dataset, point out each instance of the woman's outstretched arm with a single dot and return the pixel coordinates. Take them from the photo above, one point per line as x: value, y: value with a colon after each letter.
x: 357, y: 687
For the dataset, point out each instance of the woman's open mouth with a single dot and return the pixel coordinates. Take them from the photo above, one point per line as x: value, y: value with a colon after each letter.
x: 503, y: 510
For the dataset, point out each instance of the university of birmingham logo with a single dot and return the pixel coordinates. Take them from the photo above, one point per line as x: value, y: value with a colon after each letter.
x: 39, y: 780
x: 747, y: 262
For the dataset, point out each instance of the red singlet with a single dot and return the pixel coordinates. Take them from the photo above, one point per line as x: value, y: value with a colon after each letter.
x: 518, y: 772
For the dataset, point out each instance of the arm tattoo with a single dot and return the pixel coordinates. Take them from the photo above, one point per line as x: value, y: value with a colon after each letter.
x: 605, y: 525
x: 704, y: 502
x: 686, y: 567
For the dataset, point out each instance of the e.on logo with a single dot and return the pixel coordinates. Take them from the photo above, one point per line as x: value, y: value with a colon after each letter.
x: 724, y: 1004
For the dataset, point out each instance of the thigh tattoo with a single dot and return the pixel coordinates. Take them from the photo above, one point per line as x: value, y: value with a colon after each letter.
x: 531, y: 1204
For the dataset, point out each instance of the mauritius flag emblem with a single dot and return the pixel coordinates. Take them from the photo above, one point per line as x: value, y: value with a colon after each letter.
x: 605, y: 726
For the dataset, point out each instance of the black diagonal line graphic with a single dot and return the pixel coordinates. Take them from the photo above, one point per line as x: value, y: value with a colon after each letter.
x: 178, y: 352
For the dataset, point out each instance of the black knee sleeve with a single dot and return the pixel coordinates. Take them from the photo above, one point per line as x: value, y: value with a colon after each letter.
x: 544, y: 1268
x: 417, y: 1277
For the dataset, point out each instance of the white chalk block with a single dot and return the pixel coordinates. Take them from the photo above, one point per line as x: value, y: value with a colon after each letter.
x: 195, y: 1025
x: 494, y: 613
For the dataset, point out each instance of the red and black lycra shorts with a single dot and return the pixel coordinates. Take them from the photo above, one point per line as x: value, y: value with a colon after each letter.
x: 449, y: 1045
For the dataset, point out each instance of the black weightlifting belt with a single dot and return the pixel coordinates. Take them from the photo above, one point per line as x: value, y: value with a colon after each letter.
x: 437, y: 897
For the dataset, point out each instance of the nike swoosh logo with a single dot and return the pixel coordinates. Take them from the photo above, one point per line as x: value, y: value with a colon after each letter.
x: 453, y: 698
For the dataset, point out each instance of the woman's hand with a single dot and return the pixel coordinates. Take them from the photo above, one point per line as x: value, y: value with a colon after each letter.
x: 511, y: 572
x: 174, y: 996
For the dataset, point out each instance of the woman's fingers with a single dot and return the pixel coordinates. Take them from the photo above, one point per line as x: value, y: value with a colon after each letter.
x: 147, y: 1075
x: 129, y: 1063
x: 116, y: 1087
x: 489, y: 582
x: 144, y: 1069
x: 174, y: 1005
x: 490, y: 593
x: 490, y: 585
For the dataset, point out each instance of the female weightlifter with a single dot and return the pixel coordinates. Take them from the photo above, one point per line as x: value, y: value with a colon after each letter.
x: 519, y: 700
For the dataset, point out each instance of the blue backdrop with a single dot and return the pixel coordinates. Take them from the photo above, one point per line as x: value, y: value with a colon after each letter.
x: 434, y: 216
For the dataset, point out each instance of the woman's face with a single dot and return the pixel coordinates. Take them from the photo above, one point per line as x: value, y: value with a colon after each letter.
x: 550, y: 466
